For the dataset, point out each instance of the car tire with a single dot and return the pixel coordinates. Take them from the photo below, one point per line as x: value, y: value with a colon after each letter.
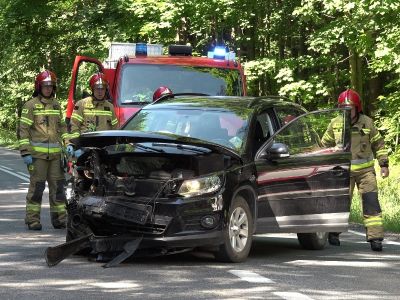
x: 313, y: 241
x: 237, y: 234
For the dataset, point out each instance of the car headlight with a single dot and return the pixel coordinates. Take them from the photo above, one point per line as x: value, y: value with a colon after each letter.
x: 199, y: 186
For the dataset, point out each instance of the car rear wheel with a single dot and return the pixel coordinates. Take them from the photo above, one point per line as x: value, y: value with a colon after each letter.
x: 313, y: 241
x: 238, y: 233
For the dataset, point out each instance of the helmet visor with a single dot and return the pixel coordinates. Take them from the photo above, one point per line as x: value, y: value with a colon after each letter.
x: 48, y: 83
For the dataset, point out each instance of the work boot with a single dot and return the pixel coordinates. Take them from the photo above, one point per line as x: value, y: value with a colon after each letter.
x: 333, y: 239
x: 376, y: 245
x: 35, y: 226
x: 59, y: 225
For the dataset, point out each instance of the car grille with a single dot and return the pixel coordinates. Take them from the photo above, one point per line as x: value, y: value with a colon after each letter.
x: 147, y: 228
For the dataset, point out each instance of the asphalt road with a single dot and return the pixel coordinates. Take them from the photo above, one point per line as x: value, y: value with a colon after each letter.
x: 277, y: 267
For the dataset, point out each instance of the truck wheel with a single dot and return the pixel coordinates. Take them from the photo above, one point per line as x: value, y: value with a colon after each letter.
x: 238, y: 233
x: 313, y: 241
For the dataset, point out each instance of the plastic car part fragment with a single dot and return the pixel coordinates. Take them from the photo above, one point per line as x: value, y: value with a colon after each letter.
x: 55, y: 255
x: 129, y: 249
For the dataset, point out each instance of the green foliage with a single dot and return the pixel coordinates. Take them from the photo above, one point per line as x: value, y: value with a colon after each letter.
x: 302, y: 49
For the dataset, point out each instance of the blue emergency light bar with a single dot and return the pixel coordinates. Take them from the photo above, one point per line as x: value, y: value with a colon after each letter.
x: 141, y: 49
x: 221, y: 53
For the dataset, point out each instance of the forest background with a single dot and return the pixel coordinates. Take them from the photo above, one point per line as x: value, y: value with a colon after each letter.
x: 306, y: 50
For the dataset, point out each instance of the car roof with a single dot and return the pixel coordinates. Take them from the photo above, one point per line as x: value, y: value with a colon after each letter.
x: 221, y: 103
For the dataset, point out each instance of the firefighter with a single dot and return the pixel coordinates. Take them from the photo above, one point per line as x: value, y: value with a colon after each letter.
x: 161, y: 91
x: 41, y: 133
x: 93, y: 113
x: 366, y: 145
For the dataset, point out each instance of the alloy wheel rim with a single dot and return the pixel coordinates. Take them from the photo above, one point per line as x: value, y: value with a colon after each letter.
x: 238, y: 229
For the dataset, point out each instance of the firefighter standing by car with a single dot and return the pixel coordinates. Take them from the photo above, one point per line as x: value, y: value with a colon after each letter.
x: 93, y: 113
x: 366, y: 144
x: 40, y: 132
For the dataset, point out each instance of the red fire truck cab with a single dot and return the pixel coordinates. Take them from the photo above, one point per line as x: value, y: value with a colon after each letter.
x: 135, y: 71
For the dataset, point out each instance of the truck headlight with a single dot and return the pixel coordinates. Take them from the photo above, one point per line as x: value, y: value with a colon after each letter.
x: 199, y: 186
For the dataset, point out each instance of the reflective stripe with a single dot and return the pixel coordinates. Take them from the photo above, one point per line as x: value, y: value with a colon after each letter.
x: 115, y: 121
x: 58, y: 208
x: 24, y: 142
x: 358, y: 164
x: 74, y: 135
x: 366, y: 130
x: 33, y: 207
x: 47, y: 145
x: 97, y: 113
x: 47, y: 150
x: 375, y: 138
x: 382, y: 152
x: 77, y: 117
x: 46, y: 112
x: 373, y: 221
x: 65, y: 135
x: 26, y: 121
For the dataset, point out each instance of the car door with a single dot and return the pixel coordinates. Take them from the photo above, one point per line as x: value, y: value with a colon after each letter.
x: 303, y: 185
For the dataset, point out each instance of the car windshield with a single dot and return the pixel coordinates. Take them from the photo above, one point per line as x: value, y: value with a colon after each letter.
x: 139, y: 81
x: 220, y: 127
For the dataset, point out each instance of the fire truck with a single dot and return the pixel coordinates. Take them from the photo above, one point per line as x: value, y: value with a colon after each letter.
x: 136, y: 70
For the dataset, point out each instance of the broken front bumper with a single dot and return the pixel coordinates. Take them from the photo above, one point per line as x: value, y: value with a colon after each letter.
x: 165, y: 225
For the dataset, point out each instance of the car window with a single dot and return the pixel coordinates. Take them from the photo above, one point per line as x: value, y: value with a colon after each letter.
x: 139, y: 81
x: 263, y: 130
x: 286, y: 114
x: 303, y: 136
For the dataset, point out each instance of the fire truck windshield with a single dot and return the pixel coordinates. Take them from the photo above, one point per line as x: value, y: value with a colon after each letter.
x: 139, y: 81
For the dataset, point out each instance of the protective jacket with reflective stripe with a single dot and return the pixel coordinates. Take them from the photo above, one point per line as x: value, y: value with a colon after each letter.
x: 42, y: 128
x: 366, y: 143
x: 92, y: 115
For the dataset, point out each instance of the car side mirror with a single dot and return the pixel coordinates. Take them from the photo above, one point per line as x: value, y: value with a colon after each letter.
x: 276, y: 151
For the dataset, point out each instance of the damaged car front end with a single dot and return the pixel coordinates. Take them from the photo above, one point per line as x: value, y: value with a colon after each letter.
x: 152, y: 187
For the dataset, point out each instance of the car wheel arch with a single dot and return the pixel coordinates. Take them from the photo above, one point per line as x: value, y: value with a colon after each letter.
x: 248, y: 193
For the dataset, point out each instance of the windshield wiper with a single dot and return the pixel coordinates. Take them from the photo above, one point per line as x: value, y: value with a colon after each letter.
x: 184, y: 147
x: 143, y: 147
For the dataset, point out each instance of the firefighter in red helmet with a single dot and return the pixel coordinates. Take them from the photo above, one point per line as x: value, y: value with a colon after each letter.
x: 41, y: 131
x: 366, y: 145
x: 161, y: 91
x: 93, y: 113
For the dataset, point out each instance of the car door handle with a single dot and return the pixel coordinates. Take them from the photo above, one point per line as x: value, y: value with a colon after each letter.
x: 337, y: 171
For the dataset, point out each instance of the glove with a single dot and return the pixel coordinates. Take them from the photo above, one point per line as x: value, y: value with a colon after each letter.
x: 384, y: 172
x: 27, y: 159
x: 70, y: 150
x: 78, y: 153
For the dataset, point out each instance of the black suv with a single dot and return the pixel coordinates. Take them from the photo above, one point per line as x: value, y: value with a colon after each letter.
x: 208, y: 172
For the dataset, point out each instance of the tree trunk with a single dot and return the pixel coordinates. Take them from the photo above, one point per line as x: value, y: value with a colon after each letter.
x: 356, y: 70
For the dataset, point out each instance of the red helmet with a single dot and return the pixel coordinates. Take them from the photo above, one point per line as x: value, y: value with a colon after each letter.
x: 350, y: 98
x: 162, y: 90
x: 99, y: 80
x: 45, y: 78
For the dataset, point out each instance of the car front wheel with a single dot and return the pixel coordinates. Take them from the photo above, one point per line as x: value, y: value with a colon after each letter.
x: 238, y: 233
x: 313, y: 241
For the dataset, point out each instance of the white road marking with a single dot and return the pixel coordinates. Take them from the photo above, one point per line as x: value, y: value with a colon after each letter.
x: 250, y: 276
x: 384, y: 242
x: 292, y: 296
x: 23, y: 174
x: 5, y: 167
x: 14, y: 174
x: 339, y: 263
x: 9, y: 192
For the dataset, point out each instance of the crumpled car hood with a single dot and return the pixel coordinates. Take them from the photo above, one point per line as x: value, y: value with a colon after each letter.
x: 100, y: 139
